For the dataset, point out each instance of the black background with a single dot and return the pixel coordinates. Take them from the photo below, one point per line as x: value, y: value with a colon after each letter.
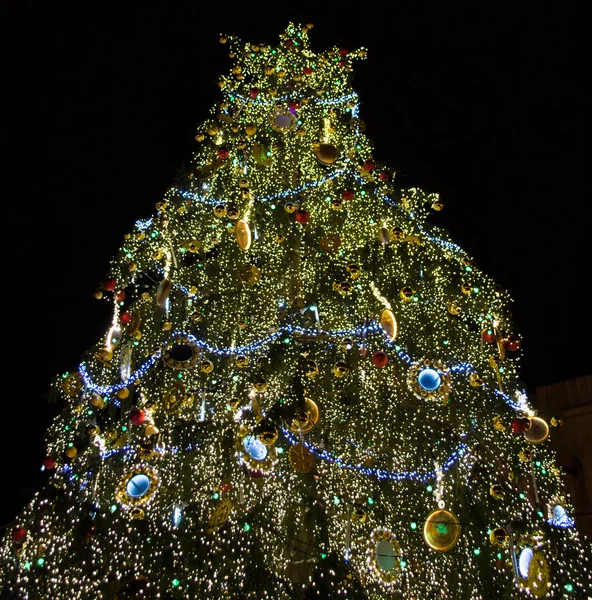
x: 485, y: 107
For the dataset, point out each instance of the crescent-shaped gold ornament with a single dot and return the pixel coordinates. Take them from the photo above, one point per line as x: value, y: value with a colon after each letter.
x: 242, y: 233
x: 388, y: 323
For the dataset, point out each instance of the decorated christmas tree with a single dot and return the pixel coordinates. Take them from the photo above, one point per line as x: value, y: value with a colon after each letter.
x: 307, y: 389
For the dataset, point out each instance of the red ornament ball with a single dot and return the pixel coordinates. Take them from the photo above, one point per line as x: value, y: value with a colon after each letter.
x: 488, y: 336
x: 223, y: 153
x: 225, y: 487
x: 137, y: 416
x: 126, y: 317
x: 520, y: 425
x: 384, y: 176
x: 343, y: 51
x: 294, y: 104
x: 307, y: 70
x: 18, y: 535
x: 120, y: 296
x: 49, y: 463
x: 110, y: 285
x: 289, y: 44
x: 379, y: 359
x: 368, y: 165
x: 302, y: 216
x: 348, y: 194
x: 253, y: 93
x: 512, y: 344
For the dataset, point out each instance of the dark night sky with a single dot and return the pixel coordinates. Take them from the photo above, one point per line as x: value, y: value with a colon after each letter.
x: 483, y: 107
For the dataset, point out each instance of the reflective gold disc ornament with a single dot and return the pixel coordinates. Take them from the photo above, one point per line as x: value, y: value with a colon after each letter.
x: 301, y: 458
x: 325, y: 153
x: 538, y: 431
x: 441, y: 530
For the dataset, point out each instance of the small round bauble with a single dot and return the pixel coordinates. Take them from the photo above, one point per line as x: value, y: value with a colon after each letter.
x: 347, y: 195
x: 71, y: 452
x: 123, y: 393
x: 466, y: 288
x: 340, y: 370
x: 498, y: 537
x: 302, y: 216
x: 454, y: 308
x: 137, y: 416
x: 241, y: 361
x: 167, y: 326
x: 488, y: 335
x: 219, y: 211
x: 49, y: 463
x: 207, y: 366
x: 354, y: 270
x: 311, y: 369
x: 437, y: 205
x: 336, y: 204
x: 18, y: 535
x: 520, y: 425
x: 358, y: 516
x: 380, y: 359
x: 98, y: 294
x: 110, y: 285
x: 512, y: 344
x: 260, y: 384
x: 232, y: 212
x: 406, y: 294
x: 368, y: 165
x: 242, y: 324
x: 497, y: 491
x: 441, y: 530
x: 290, y: 207
x: 96, y: 400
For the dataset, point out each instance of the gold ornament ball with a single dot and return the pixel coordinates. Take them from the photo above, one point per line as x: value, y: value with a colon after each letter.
x: 219, y: 211
x: 71, y: 452
x: 406, y: 294
x: 340, y: 370
x: 251, y: 130
x: 96, y: 400
x: 123, y: 393
x: 207, y: 366
x: 397, y: 234
x: 454, y: 308
x: 98, y: 294
x: 354, y: 270
x: 336, y: 204
x: 358, y: 516
x: 498, y: 537
x: 290, y: 207
x: 497, y: 491
x: 311, y: 369
x: 241, y: 362
x: 260, y: 385
x: 438, y: 205
x: 242, y: 324
x: 232, y: 212
x: 466, y: 288
x: 280, y: 239
x: 167, y: 326
x: 475, y: 380
x: 199, y: 137
x: 213, y: 129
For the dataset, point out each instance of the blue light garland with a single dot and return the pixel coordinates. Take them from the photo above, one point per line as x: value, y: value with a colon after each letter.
x: 380, y: 473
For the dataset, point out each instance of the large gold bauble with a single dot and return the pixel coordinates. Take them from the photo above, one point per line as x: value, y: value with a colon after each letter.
x: 251, y: 130
x: 232, y: 212
x: 307, y: 419
x: 538, y: 431
x: 97, y: 400
x: 340, y: 370
x: 123, y: 393
x: 71, y: 452
x: 325, y: 153
x: 441, y: 530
